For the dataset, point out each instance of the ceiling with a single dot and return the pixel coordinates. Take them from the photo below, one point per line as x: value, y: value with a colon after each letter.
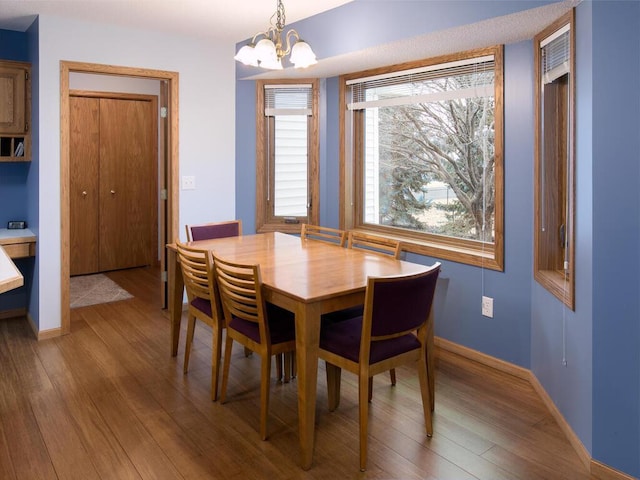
x: 242, y: 19
x: 217, y: 19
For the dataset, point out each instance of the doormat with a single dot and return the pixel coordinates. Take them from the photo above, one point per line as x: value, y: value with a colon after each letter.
x: 93, y: 289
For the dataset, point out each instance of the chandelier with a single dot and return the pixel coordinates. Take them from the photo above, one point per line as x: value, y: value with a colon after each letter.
x: 269, y: 50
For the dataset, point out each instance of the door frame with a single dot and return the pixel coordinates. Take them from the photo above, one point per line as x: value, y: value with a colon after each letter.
x: 168, y: 221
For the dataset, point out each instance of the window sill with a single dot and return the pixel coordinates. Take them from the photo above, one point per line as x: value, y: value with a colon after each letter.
x: 467, y: 252
x: 555, y: 282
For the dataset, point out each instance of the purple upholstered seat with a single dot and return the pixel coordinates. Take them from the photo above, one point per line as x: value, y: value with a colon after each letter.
x: 392, y: 331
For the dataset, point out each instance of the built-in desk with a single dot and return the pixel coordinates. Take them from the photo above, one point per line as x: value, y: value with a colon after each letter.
x: 14, y: 244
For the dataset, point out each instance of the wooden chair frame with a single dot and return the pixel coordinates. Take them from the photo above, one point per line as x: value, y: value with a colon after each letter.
x: 374, y: 243
x: 365, y: 370
x: 240, y: 287
x: 323, y: 234
x: 199, y: 282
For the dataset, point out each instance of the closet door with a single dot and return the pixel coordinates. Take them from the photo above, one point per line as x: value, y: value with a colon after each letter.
x: 128, y: 183
x: 84, y: 132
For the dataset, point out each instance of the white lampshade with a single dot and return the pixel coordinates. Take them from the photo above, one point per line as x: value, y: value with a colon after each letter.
x: 302, y: 56
x: 247, y: 56
x: 266, y: 51
x: 272, y: 64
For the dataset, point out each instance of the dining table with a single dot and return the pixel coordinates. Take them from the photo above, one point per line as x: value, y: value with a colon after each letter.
x: 307, y: 277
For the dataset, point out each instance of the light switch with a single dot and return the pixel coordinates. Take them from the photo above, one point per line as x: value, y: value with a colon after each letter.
x: 188, y: 182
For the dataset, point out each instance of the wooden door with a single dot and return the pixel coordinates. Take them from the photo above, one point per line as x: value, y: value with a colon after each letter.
x: 128, y: 183
x: 119, y: 229
x: 84, y: 162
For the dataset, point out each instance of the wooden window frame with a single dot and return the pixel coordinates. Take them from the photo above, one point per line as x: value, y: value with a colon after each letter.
x: 555, y: 190
x: 471, y: 252
x: 266, y: 220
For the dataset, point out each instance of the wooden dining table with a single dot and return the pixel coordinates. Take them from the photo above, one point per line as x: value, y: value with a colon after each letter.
x: 307, y: 277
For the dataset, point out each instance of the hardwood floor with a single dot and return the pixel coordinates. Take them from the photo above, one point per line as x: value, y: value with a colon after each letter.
x: 108, y: 402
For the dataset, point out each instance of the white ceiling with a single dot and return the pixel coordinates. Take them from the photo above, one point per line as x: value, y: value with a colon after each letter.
x: 220, y: 19
x: 225, y: 19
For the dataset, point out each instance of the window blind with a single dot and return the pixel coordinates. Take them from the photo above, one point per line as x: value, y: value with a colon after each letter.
x: 288, y: 100
x: 556, y: 55
x: 468, y: 78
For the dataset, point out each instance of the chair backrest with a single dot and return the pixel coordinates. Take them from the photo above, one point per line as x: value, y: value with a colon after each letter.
x: 323, y: 234
x: 197, y: 272
x: 397, y: 305
x: 374, y: 243
x: 240, y: 288
x: 206, y: 231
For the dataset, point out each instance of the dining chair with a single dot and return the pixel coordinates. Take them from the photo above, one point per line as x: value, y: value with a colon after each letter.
x: 392, y: 332
x: 375, y: 244
x: 264, y: 328
x: 323, y: 234
x: 203, y: 304
x: 207, y: 231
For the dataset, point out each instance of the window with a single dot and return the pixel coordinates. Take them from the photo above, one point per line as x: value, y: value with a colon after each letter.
x: 287, y: 155
x: 554, y: 167
x: 422, y: 157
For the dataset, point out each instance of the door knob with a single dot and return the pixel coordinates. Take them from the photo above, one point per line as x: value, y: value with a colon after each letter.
x: 113, y: 192
x: 84, y: 193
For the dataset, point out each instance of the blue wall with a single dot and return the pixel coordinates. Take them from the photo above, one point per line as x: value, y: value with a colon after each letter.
x: 616, y: 234
x: 588, y: 360
x: 33, y: 182
x: 13, y: 176
x: 14, y: 198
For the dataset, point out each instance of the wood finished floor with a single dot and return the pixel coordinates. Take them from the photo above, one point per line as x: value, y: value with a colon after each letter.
x: 108, y: 402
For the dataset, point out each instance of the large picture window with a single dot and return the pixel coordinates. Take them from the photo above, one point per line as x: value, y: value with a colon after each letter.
x: 423, y: 155
x: 287, y: 155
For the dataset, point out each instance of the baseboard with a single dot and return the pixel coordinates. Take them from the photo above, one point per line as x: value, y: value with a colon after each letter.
x: 483, y: 358
x: 604, y: 472
x: 16, y: 312
x: 43, y: 334
x: 575, y: 442
x: 597, y: 469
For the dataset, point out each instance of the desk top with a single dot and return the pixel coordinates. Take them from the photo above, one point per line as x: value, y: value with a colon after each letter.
x: 21, y: 235
x: 307, y: 270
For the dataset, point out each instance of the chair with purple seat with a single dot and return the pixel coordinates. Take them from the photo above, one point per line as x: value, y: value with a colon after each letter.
x: 373, y: 244
x: 392, y: 332
x: 203, y: 304
x: 207, y: 231
x: 252, y: 322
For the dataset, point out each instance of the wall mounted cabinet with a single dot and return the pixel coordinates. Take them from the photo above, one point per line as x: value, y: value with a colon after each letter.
x: 15, y: 111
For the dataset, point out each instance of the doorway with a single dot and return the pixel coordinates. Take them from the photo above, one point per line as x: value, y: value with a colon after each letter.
x: 168, y: 178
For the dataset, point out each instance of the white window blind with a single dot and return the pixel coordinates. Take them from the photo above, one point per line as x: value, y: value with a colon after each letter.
x: 556, y: 55
x: 288, y: 100
x: 434, y: 83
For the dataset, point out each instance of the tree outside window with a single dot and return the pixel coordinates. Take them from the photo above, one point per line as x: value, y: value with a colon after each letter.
x: 426, y: 154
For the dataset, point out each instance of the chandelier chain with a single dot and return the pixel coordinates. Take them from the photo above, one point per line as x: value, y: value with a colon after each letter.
x: 280, y: 19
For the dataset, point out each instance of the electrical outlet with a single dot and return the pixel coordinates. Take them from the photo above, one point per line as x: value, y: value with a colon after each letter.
x: 487, y: 306
x: 188, y: 183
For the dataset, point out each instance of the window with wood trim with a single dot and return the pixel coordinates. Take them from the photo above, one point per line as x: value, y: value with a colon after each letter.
x: 422, y: 155
x: 287, y: 154
x: 554, y: 235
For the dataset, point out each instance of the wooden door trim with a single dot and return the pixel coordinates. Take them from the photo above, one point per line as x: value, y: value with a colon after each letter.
x: 172, y: 163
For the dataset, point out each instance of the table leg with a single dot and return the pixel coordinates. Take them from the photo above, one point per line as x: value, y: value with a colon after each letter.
x: 176, y: 293
x: 307, y: 343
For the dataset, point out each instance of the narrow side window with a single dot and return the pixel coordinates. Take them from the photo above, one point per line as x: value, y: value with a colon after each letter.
x: 287, y: 155
x: 554, y: 188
